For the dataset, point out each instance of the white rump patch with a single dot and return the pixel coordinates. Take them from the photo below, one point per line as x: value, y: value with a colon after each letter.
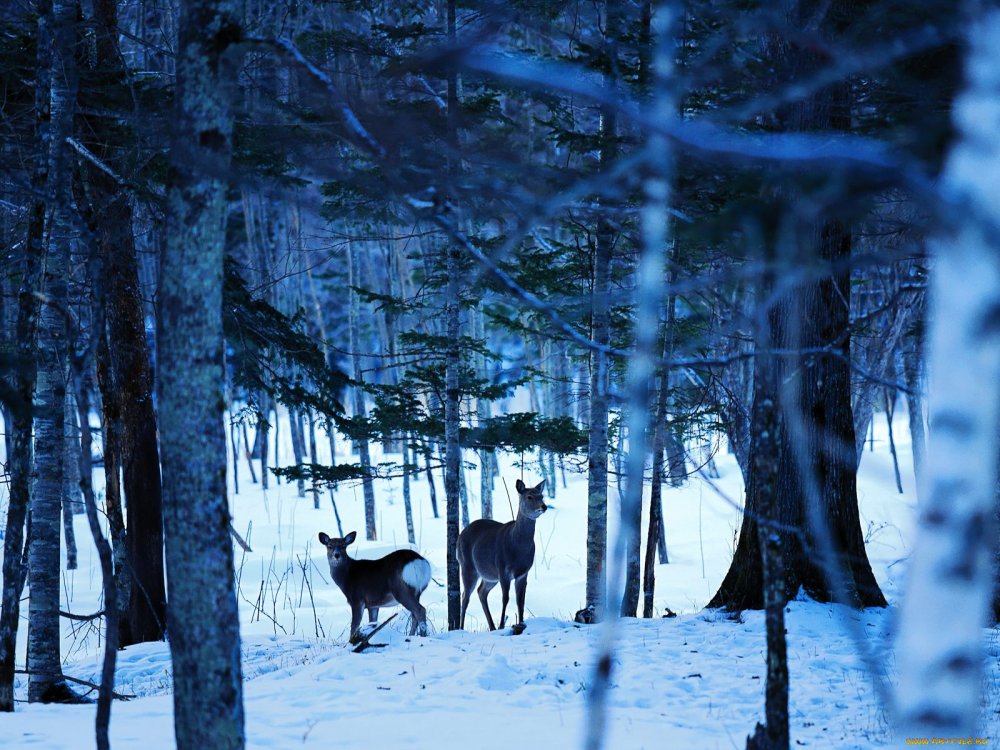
x: 417, y: 573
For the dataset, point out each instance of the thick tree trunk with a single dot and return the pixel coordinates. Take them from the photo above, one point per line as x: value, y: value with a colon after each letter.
x: 45, y: 683
x: 202, y: 619
x: 940, y: 645
x: 817, y: 485
x: 110, y: 217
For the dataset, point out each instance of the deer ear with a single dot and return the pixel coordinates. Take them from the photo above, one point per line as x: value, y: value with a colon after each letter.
x: 323, y: 539
x: 540, y: 485
x: 349, y: 539
x: 519, y: 486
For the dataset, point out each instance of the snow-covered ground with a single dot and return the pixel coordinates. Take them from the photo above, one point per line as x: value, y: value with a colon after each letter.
x: 695, y: 681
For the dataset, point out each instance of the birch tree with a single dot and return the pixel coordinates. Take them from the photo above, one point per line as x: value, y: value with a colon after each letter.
x: 951, y: 577
x: 45, y: 683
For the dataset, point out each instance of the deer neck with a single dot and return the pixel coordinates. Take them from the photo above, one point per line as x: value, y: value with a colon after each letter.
x: 341, y: 573
x: 524, y: 525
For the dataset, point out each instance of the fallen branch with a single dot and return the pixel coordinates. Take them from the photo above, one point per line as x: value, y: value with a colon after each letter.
x: 78, y: 681
x: 366, y: 641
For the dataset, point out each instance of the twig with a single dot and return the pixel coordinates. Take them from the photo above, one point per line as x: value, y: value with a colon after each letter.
x: 239, y: 540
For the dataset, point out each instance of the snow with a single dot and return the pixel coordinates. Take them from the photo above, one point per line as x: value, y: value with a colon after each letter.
x: 696, y: 680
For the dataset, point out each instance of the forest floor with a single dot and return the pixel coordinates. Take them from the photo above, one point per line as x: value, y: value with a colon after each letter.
x: 692, y: 681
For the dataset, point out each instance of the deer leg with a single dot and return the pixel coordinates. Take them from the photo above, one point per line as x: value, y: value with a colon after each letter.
x: 410, y: 600
x: 466, y: 596
x: 520, y: 586
x: 355, y: 621
x: 485, y: 587
x: 505, y: 590
x: 469, y: 578
x: 373, y: 614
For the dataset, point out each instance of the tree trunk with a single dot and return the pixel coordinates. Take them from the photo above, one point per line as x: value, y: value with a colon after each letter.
x: 261, y: 438
x: 951, y: 578
x: 45, y: 683
x: 912, y: 365
x: 407, y: 506
x: 817, y: 485
x: 655, y: 235
x: 763, y: 490
x: 452, y: 400
x: 432, y: 489
x: 202, y: 618
x: 71, y: 481
x: 597, y: 433
x: 483, y: 413
x: 354, y: 324
x: 81, y: 389
x: 298, y: 446
x: 20, y: 458
x: 110, y: 217
x: 111, y: 417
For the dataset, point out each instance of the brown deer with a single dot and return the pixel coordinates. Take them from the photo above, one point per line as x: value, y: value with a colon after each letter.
x: 398, y: 578
x: 500, y: 553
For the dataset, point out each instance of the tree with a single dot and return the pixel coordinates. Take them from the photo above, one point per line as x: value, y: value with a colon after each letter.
x: 45, y: 683
x: 202, y: 618
x: 21, y: 455
x: 951, y: 579
x: 109, y: 214
x: 823, y: 549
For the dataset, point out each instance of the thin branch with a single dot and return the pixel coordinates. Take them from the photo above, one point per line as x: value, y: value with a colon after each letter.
x: 82, y: 618
x: 89, y: 156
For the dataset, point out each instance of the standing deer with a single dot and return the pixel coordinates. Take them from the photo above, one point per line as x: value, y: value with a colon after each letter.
x: 398, y: 578
x: 500, y: 553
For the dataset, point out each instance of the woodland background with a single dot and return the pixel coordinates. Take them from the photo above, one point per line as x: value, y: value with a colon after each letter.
x: 611, y: 236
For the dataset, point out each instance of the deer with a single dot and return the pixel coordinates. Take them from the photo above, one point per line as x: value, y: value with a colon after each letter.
x: 398, y: 578
x: 495, y: 552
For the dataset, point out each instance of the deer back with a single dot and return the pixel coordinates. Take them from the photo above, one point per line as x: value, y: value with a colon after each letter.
x: 504, y: 550
x: 375, y: 582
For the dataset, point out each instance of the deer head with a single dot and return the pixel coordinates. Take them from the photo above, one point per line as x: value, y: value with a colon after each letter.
x: 530, y: 502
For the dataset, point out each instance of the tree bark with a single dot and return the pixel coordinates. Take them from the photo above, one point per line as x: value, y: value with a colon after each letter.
x: 452, y: 401
x: 913, y: 357
x: 45, y: 683
x: 951, y: 578
x: 597, y: 433
x: 111, y: 417
x: 354, y: 323
x: 817, y: 485
x: 110, y: 216
x: 203, y: 620
x: 21, y: 456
